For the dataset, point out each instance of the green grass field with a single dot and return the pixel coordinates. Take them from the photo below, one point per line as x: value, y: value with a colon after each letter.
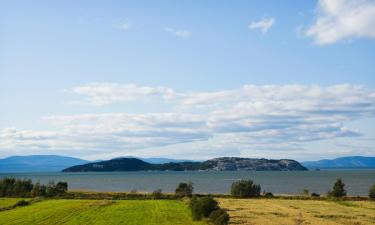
x: 5, y: 202
x: 174, y: 212
x: 129, y: 212
x: 282, y: 211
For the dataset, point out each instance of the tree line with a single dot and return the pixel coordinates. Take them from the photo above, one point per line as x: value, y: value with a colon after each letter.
x: 11, y: 187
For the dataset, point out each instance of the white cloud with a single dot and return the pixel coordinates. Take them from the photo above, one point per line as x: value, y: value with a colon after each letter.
x: 178, y: 32
x: 125, y: 25
x: 239, y: 121
x: 263, y: 25
x: 108, y: 93
x: 343, y: 19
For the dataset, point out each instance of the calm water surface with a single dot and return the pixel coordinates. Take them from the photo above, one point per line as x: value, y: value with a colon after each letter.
x: 287, y: 182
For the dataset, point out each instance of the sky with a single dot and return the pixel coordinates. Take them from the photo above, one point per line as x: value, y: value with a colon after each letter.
x: 188, y: 79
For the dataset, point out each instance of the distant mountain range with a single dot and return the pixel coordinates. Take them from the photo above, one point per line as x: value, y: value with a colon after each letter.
x: 218, y: 164
x: 343, y: 162
x: 54, y: 163
x: 38, y: 163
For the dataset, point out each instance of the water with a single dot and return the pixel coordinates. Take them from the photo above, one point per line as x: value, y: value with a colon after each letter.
x: 285, y: 182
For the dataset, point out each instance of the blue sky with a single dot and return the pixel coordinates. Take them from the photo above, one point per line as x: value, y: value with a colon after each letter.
x: 187, y: 79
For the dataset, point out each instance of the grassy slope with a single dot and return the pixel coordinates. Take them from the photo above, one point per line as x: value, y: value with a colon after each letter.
x: 100, y: 212
x: 277, y: 211
x: 5, y: 202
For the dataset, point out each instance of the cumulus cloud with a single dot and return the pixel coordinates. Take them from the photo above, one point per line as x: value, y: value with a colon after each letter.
x: 178, y: 32
x: 250, y: 118
x: 343, y: 19
x: 263, y: 25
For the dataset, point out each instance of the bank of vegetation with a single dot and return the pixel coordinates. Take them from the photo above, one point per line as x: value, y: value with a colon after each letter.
x: 203, y: 207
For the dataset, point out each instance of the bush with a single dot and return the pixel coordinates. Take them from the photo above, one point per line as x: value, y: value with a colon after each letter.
x: 184, y: 189
x: 219, y: 217
x: 21, y: 203
x: 202, y: 207
x: 371, y: 193
x: 268, y: 195
x: 338, y: 190
x: 245, y: 188
x: 157, y: 194
x: 315, y: 194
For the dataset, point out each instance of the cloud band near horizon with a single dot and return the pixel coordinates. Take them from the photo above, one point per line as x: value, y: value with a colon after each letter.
x: 243, y: 120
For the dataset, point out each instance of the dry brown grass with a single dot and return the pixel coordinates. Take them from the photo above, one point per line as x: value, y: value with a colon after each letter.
x: 301, y: 212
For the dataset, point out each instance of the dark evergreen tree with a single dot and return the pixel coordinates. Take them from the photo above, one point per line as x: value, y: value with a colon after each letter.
x: 338, y: 190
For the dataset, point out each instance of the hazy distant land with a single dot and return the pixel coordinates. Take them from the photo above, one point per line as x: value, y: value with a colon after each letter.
x: 54, y: 163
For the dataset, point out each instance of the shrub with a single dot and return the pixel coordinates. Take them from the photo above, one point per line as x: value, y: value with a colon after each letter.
x: 245, y: 188
x: 157, y: 194
x: 371, y: 193
x: 21, y: 203
x: 202, y: 207
x: 223, y: 219
x: 315, y: 194
x: 219, y: 217
x: 305, y: 192
x: 184, y: 189
x: 268, y: 195
x: 338, y: 190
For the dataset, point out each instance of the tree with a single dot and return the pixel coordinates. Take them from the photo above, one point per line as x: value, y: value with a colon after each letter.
x: 372, y: 192
x: 38, y: 190
x: 245, y: 188
x: 7, y: 186
x: 53, y: 189
x: 157, y: 194
x: 61, y: 187
x: 184, y: 189
x: 22, y: 188
x: 338, y: 190
x: 11, y: 187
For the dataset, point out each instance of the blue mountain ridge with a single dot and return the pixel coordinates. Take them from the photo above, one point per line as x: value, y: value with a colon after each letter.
x: 55, y: 163
x: 342, y: 162
x: 38, y: 163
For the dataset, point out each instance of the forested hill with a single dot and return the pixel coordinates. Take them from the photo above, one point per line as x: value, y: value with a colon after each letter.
x: 218, y: 164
